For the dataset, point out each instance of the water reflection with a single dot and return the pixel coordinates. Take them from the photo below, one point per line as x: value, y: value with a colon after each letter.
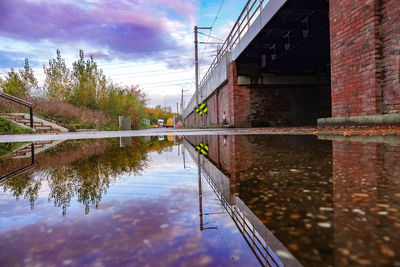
x: 366, y: 186
x: 6, y: 173
x: 259, y: 239
x: 149, y: 219
x: 81, y: 169
x: 269, y: 200
x: 335, y: 203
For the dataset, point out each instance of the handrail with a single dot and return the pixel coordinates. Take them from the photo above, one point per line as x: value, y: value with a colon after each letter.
x: 238, y: 30
x: 16, y: 99
x: 21, y: 102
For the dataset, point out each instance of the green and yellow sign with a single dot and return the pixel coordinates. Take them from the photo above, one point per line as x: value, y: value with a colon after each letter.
x: 202, y: 109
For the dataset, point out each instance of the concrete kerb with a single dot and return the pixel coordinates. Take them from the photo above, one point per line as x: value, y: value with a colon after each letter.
x: 136, y: 133
x: 368, y: 120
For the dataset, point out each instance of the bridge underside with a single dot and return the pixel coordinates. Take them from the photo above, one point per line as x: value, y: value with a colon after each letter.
x: 310, y: 59
x: 287, y: 67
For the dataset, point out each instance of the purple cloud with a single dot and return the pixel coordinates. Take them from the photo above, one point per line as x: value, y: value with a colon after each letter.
x: 122, y: 27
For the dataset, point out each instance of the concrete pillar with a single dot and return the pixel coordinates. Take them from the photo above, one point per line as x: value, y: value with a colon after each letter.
x: 125, y: 123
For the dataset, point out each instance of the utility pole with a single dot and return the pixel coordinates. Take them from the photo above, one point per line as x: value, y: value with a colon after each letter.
x: 182, y: 103
x: 196, y: 58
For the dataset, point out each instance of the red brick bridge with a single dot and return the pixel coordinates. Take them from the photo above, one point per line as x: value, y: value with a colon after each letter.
x: 303, y: 62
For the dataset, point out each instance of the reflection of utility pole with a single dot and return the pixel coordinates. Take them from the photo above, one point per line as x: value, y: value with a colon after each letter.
x: 196, y: 58
x: 200, y: 192
x: 201, y: 198
x: 183, y: 154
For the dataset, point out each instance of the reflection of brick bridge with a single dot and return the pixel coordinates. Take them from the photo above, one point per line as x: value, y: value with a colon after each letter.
x: 342, y: 197
x: 290, y: 62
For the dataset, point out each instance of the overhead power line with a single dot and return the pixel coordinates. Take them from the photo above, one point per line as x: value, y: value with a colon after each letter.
x: 165, y: 82
x: 211, y: 36
x: 212, y: 26
x: 149, y: 73
x: 183, y: 57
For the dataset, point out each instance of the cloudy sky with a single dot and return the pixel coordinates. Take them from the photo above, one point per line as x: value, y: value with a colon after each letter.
x: 145, y: 42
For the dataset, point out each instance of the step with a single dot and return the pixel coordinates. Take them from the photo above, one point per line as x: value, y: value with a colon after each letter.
x: 35, y: 124
x: 23, y: 121
x: 14, y: 117
x: 43, y: 128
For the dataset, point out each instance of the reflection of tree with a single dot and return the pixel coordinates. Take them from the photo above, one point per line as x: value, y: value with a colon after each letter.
x: 24, y: 185
x: 82, y: 169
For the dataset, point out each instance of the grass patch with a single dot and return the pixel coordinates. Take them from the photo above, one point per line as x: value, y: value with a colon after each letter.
x: 7, y: 127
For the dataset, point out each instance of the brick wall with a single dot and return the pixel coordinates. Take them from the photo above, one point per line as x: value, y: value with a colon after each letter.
x: 390, y: 16
x: 289, y: 106
x: 239, y: 99
x: 364, y: 56
x: 232, y: 99
x: 261, y: 106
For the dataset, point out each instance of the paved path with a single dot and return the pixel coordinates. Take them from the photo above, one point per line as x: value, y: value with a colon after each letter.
x: 149, y: 132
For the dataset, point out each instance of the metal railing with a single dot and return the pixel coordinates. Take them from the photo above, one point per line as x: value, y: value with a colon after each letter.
x: 241, y: 26
x: 21, y: 102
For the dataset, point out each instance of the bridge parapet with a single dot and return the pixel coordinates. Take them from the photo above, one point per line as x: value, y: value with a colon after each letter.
x: 218, y: 77
x: 251, y: 13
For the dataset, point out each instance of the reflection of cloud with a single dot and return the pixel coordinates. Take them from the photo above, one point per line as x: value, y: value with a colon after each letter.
x: 136, y: 231
x: 133, y: 224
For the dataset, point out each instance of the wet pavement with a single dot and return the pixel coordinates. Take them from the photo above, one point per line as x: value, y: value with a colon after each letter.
x: 211, y: 200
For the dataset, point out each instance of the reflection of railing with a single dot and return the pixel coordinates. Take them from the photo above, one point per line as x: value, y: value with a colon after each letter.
x: 21, y: 102
x: 23, y: 169
x: 263, y: 253
x: 241, y: 26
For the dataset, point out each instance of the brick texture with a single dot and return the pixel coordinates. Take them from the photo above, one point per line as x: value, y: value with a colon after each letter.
x: 365, y: 52
x: 260, y: 106
x: 365, y: 186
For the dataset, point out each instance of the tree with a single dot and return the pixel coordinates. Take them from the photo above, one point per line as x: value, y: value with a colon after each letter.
x: 123, y: 101
x: 156, y: 113
x: 20, y: 84
x: 58, y: 81
x: 13, y: 85
x: 28, y: 77
x: 88, y: 82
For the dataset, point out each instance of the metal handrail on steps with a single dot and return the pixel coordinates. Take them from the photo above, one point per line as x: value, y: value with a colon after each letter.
x: 21, y: 102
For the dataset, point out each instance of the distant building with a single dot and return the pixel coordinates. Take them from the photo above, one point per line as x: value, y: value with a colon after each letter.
x: 146, y: 121
x: 167, y: 109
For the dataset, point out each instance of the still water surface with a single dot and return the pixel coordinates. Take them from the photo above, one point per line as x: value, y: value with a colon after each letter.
x: 200, y: 201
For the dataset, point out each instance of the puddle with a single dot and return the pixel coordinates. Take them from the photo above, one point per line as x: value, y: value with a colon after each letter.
x: 255, y: 200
